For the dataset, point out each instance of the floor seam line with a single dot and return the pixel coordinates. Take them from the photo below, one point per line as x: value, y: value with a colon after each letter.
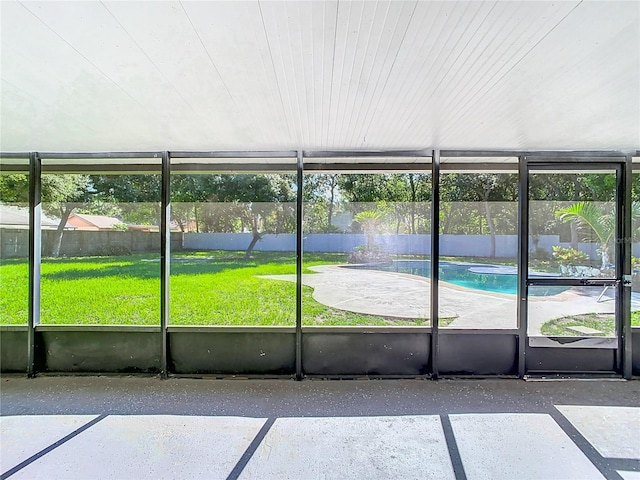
x: 51, y: 447
x: 584, y: 445
x: 251, y: 449
x: 452, y: 447
x: 624, y: 464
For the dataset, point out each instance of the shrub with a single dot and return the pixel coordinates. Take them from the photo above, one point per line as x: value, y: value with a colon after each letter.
x: 569, y: 256
x: 113, y: 251
x: 364, y: 254
x: 540, y: 254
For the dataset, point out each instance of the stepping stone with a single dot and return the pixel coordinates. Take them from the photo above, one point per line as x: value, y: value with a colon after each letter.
x: 584, y: 330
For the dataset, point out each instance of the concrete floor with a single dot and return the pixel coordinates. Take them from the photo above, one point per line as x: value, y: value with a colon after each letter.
x: 142, y: 427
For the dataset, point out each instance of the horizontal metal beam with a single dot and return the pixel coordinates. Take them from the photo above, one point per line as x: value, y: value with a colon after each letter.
x: 551, y: 156
x: 366, y: 153
x: 237, y: 154
x: 367, y: 167
x: 568, y: 163
x: 230, y: 329
x: 479, y: 167
x: 98, y: 155
x: 97, y: 328
x: 570, y: 282
x: 477, y: 331
x: 274, y: 167
x: 102, y: 168
x: 186, y: 168
x: 401, y: 329
x: 14, y: 168
x: 518, y: 153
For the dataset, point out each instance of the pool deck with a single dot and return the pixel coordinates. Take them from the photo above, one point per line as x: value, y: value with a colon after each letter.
x: 137, y: 428
x: 405, y: 296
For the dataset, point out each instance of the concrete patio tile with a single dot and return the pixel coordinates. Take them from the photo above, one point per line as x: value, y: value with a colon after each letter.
x: 352, y: 447
x: 629, y: 475
x: 522, y: 446
x: 613, y: 431
x: 151, y: 446
x: 23, y: 436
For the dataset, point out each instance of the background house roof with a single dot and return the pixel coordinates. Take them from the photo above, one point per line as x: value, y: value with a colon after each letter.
x: 15, y: 216
x: 94, y: 221
x: 251, y: 75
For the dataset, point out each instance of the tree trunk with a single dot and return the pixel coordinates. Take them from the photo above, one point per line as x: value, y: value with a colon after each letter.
x: 605, y: 257
x: 330, y: 215
x: 447, y: 220
x: 334, y: 183
x: 492, y: 227
x: 57, y: 239
x: 574, y: 235
x: 256, y: 238
x: 414, y: 229
x: 412, y: 208
x: 371, y: 241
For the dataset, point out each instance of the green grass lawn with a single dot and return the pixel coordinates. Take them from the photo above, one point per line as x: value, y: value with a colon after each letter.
x: 207, y: 288
x: 603, y: 322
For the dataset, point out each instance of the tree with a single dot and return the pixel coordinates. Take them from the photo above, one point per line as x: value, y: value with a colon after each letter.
x: 188, y: 192
x: 256, y: 202
x: 598, y: 220
x: 591, y: 216
x: 370, y: 223
x: 14, y: 188
x: 402, y: 192
x: 320, y: 193
x: 419, y: 191
x: 492, y: 194
x: 121, y: 196
x: 134, y: 198
x: 60, y: 195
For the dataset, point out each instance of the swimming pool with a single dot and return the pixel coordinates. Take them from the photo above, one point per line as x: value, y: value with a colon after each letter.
x: 479, y: 276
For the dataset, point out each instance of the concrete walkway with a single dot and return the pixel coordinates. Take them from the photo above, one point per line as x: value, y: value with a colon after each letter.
x: 138, y: 428
x: 406, y: 296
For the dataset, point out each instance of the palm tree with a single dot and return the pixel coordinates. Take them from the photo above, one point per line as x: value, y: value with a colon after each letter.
x: 370, y: 222
x: 600, y: 222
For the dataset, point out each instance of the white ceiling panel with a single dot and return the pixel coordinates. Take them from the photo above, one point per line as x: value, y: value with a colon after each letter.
x: 319, y: 75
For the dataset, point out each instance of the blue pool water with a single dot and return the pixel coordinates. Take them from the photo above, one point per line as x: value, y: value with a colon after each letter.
x: 490, y: 278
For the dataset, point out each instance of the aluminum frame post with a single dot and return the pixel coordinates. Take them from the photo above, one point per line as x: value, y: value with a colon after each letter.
x: 35, y: 253
x: 523, y: 262
x: 435, y: 261
x: 626, y: 247
x: 165, y: 257
x: 299, y: 198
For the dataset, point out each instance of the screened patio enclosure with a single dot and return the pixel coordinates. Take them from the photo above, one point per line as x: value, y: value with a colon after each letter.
x: 472, y: 273
x: 334, y: 189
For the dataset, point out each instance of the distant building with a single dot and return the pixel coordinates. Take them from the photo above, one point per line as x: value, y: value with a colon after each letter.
x: 12, y: 216
x: 82, y: 221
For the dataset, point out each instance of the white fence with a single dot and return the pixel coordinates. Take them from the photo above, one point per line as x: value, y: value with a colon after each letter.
x: 450, y: 245
x: 15, y: 242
